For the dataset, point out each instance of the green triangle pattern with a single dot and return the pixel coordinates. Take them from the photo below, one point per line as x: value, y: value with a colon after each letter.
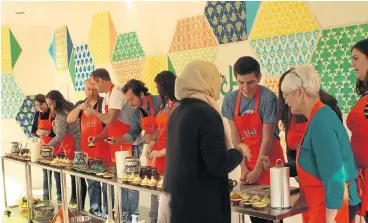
x: 72, y: 68
x: 15, y: 49
x: 170, y: 67
x: 52, y: 49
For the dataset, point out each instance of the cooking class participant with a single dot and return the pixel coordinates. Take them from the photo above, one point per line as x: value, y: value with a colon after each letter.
x: 251, y: 113
x: 117, y: 115
x: 295, y: 125
x: 67, y: 135
x: 357, y: 120
x: 156, y: 149
x: 199, y: 152
x: 146, y: 107
x: 325, y: 162
x: 91, y: 126
x: 42, y: 128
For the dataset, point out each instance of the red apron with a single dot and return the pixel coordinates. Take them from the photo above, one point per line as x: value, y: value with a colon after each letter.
x: 45, y: 124
x: 358, y: 123
x: 314, y: 190
x: 250, y: 128
x: 116, y: 130
x: 148, y: 124
x: 161, y: 120
x: 294, y: 136
x: 91, y: 126
x: 295, y: 133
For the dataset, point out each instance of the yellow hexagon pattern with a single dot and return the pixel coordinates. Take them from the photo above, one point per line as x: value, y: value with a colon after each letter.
x: 102, y: 36
x: 6, y: 64
x: 61, y: 48
x: 282, y: 18
x: 182, y: 58
x: 152, y: 66
x: 128, y: 69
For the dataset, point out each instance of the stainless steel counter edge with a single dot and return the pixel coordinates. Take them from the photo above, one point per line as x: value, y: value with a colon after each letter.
x: 14, y: 160
x: 36, y: 164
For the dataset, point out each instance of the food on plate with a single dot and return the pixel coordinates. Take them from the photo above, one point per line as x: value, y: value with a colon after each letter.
x: 137, y: 180
x: 152, y: 183
x: 235, y: 196
x: 131, y: 178
x: 107, y: 175
x: 246, y: 197
x: 259, y: 205
x: 145, y: 182
x: 160, y: 183
x: 125, y: 177
x: 266, y: 200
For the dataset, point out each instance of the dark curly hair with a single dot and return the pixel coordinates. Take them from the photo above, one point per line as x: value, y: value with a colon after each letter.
x: 361, y: 86
x: 137, y: 87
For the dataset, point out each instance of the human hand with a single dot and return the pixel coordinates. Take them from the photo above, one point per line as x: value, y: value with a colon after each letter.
x: 253, y: 176
x: 246, y: 151
x: 91, y: 139
x: 243, y: 175
x: 156, y: 153
x: 88, y: 112
x: 83, y: 106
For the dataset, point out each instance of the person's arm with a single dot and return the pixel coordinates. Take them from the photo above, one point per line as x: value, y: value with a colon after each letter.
x: 329, y: 162
x: 292, y: 168
x: 61, y: 126
x: 218, y: 159
x: 107, y: 118
x: 75, y: 113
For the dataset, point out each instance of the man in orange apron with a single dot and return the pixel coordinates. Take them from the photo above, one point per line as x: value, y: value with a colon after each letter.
x: 91, y: 127
x: 117, y: 115
x: 251, y: 112
x: 42, y: 128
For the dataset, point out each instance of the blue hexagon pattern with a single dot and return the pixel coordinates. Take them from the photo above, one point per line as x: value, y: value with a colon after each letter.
x: 83, y: 65
x: 11, y: 96
x: 26, y: 114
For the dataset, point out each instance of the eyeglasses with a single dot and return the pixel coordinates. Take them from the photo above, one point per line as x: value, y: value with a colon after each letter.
x: 293, y: 71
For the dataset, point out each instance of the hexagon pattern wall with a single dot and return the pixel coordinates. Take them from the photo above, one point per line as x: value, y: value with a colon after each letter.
x: 227, y: 19
x: 332, y: 60
x: 193, y: 33
x: 127, y: 46
x: 61, y: 48
x: 152, y: 66
x: 11, y: 96
x: 280, y: 53
x: 128, y: 69
x: 83, y: 64
x: 180, y: 59
x: 26, y: 114
x: 10, y: 50
x: 102, y: 36
x: 282, y: 18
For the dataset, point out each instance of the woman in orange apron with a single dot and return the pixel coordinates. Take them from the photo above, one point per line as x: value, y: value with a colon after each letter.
x: 295, y: 126
x: 357, y: 120
x: 324, y: 162
x: 42, y: 128
x: 66, y: 135
x: 156, y: 150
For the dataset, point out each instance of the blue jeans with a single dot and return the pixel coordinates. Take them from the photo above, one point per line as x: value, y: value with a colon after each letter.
x: 94, y: 193
x: 58, y: 185
x: 46, y: 195
x: 83, y: 188
x: 130, y: 198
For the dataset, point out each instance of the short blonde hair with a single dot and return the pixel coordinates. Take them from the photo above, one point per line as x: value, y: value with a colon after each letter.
x: 304, y: 76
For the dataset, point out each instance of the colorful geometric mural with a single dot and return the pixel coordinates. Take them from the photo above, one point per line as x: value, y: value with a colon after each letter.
x: 10, y: 50
x: 26, y: 114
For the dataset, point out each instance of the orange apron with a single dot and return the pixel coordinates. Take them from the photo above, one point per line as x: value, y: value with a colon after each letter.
x: 250, y: 128
x: 357, y: 123
x: 45, y: 124
x: 91, y: 126
x: 161, y: 120
x: 117, y: 129
x: 148, y: 124
x: 314, y: 190
x: 294, y: 136
x: 67, y: 146
x: 295, y: 133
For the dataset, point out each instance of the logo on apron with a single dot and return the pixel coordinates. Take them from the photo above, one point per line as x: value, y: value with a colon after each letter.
x: 248, y: 133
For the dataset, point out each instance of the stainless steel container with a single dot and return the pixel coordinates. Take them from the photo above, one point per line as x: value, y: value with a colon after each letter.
x: 280, y: 186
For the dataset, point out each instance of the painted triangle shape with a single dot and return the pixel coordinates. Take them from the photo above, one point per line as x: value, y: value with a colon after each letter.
x: 72, y: 68
x: 14, y: 49
x: 52, y: 49
x: 69, y: 45
x: 170, y: 66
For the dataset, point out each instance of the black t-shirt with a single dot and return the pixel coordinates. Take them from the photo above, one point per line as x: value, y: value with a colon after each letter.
x: 44, y: 116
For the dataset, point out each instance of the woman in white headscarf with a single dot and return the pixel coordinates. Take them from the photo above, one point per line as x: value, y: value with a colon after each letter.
x: 199, y: 154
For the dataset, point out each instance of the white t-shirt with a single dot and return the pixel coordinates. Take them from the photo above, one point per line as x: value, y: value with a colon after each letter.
x: 117, y: 101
